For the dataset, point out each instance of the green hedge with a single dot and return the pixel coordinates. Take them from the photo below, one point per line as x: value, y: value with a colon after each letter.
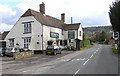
x: 86, y: 42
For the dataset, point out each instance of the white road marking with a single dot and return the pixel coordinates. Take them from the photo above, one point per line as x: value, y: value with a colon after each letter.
x: 86, y: 62
x: 79, y: 59
x: 94, y: 52
x: 83, y: 59
x: 91, y: 56
x: 76, y: 72
x: 24, y: 71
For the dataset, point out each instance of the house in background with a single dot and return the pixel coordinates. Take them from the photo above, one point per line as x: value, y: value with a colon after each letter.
x: 2, y: 37
x: 4, y: 34
x: 34, y: 30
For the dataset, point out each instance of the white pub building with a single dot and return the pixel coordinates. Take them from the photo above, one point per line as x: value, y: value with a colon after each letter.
x: 36, y: 30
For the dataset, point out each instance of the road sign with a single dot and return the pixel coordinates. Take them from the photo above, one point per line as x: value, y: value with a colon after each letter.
x: 115, y: 35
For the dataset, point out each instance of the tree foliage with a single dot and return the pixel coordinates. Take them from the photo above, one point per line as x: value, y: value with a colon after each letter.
x: 114, y: 15
x: 102, y: 36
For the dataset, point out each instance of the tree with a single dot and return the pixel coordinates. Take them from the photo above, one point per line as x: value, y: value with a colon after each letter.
x: 114, y: 15
x: 102, y: 36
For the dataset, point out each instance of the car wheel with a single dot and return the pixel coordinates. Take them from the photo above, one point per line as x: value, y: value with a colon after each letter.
x: 60, y: 52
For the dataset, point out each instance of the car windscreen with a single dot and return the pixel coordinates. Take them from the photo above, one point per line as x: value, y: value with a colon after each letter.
x: 49, y: 47
x: 8, y: 49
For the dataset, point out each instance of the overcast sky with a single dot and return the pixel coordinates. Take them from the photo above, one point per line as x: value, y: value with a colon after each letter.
x: 86, y: 12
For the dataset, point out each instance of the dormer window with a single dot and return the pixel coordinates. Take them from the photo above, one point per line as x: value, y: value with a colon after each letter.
x: 27, y: 27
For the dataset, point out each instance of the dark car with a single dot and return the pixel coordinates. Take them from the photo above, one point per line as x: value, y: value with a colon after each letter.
x: 11, y: 51
x: 53, y: 50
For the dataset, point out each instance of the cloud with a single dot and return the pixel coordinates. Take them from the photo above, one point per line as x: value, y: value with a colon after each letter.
x: 87, y: 12
x: 83, y: 11
x: 5, y: 27
x: 9, y: 16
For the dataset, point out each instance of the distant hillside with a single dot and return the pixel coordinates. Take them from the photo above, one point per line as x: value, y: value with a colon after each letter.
x: 99, y: 28
x: 90, y: 32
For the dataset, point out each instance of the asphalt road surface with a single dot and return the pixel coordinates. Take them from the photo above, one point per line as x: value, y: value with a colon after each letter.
x: 96, y: 60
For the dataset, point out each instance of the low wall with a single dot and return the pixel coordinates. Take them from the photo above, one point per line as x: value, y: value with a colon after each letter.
x: 23, y: 55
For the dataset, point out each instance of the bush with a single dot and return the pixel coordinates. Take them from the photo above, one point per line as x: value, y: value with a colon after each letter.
x: 115, y: 50
x: 86, y: 42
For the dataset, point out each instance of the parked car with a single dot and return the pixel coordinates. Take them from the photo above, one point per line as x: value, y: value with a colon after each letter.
x: 11, y: 51
x: 2, y: 51
x: 51, y: 49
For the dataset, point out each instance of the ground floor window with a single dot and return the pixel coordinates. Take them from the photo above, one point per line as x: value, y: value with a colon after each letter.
x: 11, y: 42
x: 27, y: 42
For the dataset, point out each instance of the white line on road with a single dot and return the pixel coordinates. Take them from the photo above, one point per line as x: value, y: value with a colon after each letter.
x: 83, y: 59
x: 91, y: 56
x: 94, y: 52
x: 76, y: 72
x: 86, y: 62
x: 24, y: 71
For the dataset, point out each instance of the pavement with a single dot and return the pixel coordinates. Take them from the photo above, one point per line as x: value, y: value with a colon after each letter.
x: 96, y: 60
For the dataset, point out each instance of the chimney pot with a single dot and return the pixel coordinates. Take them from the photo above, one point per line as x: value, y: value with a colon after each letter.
x: 63, y: 17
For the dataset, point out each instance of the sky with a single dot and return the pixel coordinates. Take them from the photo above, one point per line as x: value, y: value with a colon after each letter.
x: 86, y: 12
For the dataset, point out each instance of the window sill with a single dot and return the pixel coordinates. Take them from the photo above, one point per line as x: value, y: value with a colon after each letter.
x: 26, y: 32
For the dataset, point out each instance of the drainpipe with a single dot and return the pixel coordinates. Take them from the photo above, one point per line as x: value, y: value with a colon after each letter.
x: 42, y: 37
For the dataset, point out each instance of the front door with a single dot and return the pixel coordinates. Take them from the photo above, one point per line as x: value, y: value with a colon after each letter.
x: 78, y: 44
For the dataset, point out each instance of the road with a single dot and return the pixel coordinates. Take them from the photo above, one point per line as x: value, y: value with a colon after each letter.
x: 96, y: 60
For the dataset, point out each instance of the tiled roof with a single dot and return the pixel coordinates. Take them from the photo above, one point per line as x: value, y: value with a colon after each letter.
x: 71, y: 26
x: 44, y: 19
x: 50, y: 21
x: 4, y: 34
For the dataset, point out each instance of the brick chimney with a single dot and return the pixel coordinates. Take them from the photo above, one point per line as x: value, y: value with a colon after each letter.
x: 63, y: 17
x: 42, y: 8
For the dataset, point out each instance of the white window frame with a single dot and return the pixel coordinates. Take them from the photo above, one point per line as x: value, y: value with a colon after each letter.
x: 80, y: 33
x: 27, y: 27
x: 11, y: 42
x: 27, y: 42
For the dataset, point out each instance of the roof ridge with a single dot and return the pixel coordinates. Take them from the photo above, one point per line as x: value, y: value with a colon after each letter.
x: 53, y: 17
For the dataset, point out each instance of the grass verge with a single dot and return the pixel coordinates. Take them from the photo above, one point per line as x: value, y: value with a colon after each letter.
x: 88, y: 46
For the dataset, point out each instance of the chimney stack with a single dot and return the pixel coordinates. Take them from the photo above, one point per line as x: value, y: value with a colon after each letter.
x: 63, y: 17
x: 42, y: 8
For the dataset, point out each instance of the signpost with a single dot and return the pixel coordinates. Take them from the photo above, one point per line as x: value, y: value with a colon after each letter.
x: 116, y: 36
x: 54, y: 35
